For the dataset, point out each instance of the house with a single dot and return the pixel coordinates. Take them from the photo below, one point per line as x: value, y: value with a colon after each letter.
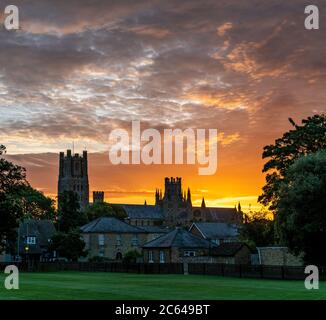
x: 232, y: 253
x: 217, y: 232
x: 278, y: 256
x: 175, y: 247
x: 33, y: 239
x: 112, y: 238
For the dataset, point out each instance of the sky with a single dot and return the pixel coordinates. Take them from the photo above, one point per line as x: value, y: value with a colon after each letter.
x: 78, y: 69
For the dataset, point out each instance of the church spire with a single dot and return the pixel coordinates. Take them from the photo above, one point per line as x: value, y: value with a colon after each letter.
x: 189, y: 197
x: 203, y: 204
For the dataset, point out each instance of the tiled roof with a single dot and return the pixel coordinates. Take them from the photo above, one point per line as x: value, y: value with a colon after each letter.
x: 216, y: 230
x: 143, y: 211
x: 179, y: 238
x: 228, y: 249
x: 109, y: 225
x: 42, y: 230
x: 223, y: 214
x: 155, y: 229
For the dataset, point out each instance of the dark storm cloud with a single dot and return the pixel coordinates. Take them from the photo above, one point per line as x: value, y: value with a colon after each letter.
x: 80, y: 68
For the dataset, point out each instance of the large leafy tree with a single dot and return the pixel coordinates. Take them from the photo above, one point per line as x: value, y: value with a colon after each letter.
x: 68, y: 245
x: 70, y: 215
x: 257, y: 229
x: 309, y: 137
x: 301, y: 209
x: 12, y: 178
x: 35, y: 204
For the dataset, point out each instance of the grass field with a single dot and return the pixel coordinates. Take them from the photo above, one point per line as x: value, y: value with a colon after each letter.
x: 126, y: 286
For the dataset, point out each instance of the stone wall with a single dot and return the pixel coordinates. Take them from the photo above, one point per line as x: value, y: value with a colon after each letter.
x: 278, y: 256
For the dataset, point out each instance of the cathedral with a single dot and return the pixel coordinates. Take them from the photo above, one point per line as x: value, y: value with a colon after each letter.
x: 172, y: 208
x: 73, y: 176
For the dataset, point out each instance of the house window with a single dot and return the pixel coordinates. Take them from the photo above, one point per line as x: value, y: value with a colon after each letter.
x: 119, y: 240
x: 134, y: 241
x: 101, y: 239
x: 216, y: 241
x: 189, y: 253
x: 162, y: 257
x: 150, y: 257
x: 31, y: 240
x: 85, y: 237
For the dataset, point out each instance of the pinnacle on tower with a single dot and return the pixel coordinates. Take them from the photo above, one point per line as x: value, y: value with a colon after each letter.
x: 203, y: 204
x: 189, y: 197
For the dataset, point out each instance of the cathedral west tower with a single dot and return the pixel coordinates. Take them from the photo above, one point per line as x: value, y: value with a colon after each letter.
x: 73, y: 176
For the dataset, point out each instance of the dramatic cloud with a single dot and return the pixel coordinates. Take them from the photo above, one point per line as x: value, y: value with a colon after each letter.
x: 78, y: 69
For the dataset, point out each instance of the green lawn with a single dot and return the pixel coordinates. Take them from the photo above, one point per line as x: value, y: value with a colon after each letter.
x: 83, y: 285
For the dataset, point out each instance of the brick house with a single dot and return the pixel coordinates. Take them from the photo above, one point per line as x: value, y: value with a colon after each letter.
x: 112, y: 238
x: 175, y: 247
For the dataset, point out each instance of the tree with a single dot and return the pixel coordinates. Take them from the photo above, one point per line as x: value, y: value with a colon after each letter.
x: 257, y: 230
x: 12, y: 178
x: 68, y: 245
x: 10, y: 214
x: 70, y: 216
x: 304, y: 139
x: 35, y: 204
x: 98, y: 210
x: 132, y: 256
x: 301, y: 209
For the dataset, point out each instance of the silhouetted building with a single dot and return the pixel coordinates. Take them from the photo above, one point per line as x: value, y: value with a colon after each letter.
x: 98, y: 197
x: 73, y: 176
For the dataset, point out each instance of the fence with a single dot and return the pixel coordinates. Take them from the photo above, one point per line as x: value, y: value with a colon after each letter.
x: 227, y: 270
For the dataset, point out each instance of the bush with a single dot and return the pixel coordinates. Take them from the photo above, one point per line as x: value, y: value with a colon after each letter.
x: 132, y: 256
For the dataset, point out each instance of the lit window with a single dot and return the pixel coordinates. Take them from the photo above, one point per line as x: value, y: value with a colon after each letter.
x: 31, y: 240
